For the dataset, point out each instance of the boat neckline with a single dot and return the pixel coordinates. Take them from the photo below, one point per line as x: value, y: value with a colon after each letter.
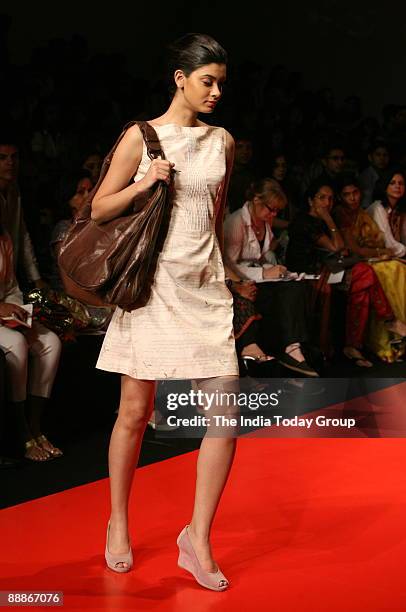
x: 188, y: 127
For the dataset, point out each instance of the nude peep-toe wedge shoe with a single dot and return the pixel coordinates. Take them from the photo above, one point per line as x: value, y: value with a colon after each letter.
x: 113, y: 561
x: 216, y: 581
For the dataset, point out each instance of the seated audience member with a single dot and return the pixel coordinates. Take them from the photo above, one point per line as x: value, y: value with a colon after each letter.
x: 74, y: 191
x: 389, y: 209
x: 11, y: 212
x: 32, y: 357
x: 279, y: 171
x: 93, y: 164
x: 329, y: 169
x: 378, y: 156
x: 313, y: 235
x: 242, y: 174
x: 363, y: 237
x: 247, y: 330
x: 248, y: 256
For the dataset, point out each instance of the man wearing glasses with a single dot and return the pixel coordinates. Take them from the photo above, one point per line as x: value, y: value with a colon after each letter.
x: 330, y: 168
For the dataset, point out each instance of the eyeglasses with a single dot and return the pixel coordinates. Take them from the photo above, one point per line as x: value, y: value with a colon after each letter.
x: 336, y: 157
x: 323, y: 197
x: 274, y: 210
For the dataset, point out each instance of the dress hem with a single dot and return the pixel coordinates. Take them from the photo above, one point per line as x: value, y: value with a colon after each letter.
x: 215, y: 374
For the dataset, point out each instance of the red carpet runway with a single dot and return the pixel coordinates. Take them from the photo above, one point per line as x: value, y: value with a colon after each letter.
x: 304, y: 524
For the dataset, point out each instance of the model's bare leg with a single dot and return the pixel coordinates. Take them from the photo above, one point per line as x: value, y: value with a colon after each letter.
x: 136, y: 404
x: 213, y: 466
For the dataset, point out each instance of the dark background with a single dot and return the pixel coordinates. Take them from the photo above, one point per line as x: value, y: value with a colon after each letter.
x: 354, y: 47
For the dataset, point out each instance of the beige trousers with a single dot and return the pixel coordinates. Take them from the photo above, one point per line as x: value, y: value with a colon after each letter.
x: 31, y: 364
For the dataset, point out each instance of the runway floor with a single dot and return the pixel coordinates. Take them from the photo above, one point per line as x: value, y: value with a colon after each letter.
x: 304, y: 524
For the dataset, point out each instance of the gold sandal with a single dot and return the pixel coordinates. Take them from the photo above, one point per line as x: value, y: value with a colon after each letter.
x: 43, y: 442
x: 31, y: 445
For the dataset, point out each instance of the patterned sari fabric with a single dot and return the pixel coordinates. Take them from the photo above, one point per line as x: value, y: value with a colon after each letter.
x: 244, y: 314
x: 396, y: 222
x: 366, y: 300
x: 392, y: 279
x: 364, y: 229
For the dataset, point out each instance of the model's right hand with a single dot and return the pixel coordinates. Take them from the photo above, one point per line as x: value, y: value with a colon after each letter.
x: 12, y: 310
x: 159, y: 170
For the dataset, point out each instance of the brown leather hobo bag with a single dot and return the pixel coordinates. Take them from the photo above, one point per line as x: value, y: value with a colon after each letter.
x: 114, y: 262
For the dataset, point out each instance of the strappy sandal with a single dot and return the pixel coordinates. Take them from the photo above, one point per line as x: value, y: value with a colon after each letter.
x: 34, y: 452
x: 43, y: 442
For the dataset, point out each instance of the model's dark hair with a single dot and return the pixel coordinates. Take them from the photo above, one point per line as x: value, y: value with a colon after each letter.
x: 192, y: 51
x: 382, y: 185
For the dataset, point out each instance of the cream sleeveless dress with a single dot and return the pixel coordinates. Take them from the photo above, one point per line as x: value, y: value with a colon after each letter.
x: 185, y: 330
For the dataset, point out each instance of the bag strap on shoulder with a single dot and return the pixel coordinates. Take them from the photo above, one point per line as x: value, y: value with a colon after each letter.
x: 150, y: 137
x: 151, y: 140
x: 153, y: 149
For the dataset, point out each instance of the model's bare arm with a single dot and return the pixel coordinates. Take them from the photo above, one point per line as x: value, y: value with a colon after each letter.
x: 230, y: 147
x: 115, y: 194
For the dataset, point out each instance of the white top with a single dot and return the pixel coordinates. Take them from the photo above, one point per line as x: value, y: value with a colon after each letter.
x: 242, y: 250
x: 380, y: 216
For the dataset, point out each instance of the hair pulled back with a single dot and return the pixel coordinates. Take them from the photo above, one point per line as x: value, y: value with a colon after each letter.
x: 190, y: 52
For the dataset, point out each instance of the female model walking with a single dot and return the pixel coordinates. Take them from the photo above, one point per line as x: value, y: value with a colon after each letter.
x: 190, y: 305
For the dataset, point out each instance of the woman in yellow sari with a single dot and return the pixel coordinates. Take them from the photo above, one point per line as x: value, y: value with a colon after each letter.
x: 364, y: 238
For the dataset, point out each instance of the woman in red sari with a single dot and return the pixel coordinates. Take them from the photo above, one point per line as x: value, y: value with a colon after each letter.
x: 364, y: 238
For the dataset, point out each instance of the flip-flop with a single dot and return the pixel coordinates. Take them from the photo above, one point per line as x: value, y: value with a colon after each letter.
x: 359, y: 359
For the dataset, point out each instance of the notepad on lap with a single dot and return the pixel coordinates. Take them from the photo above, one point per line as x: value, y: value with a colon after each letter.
x: 13, y: 321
